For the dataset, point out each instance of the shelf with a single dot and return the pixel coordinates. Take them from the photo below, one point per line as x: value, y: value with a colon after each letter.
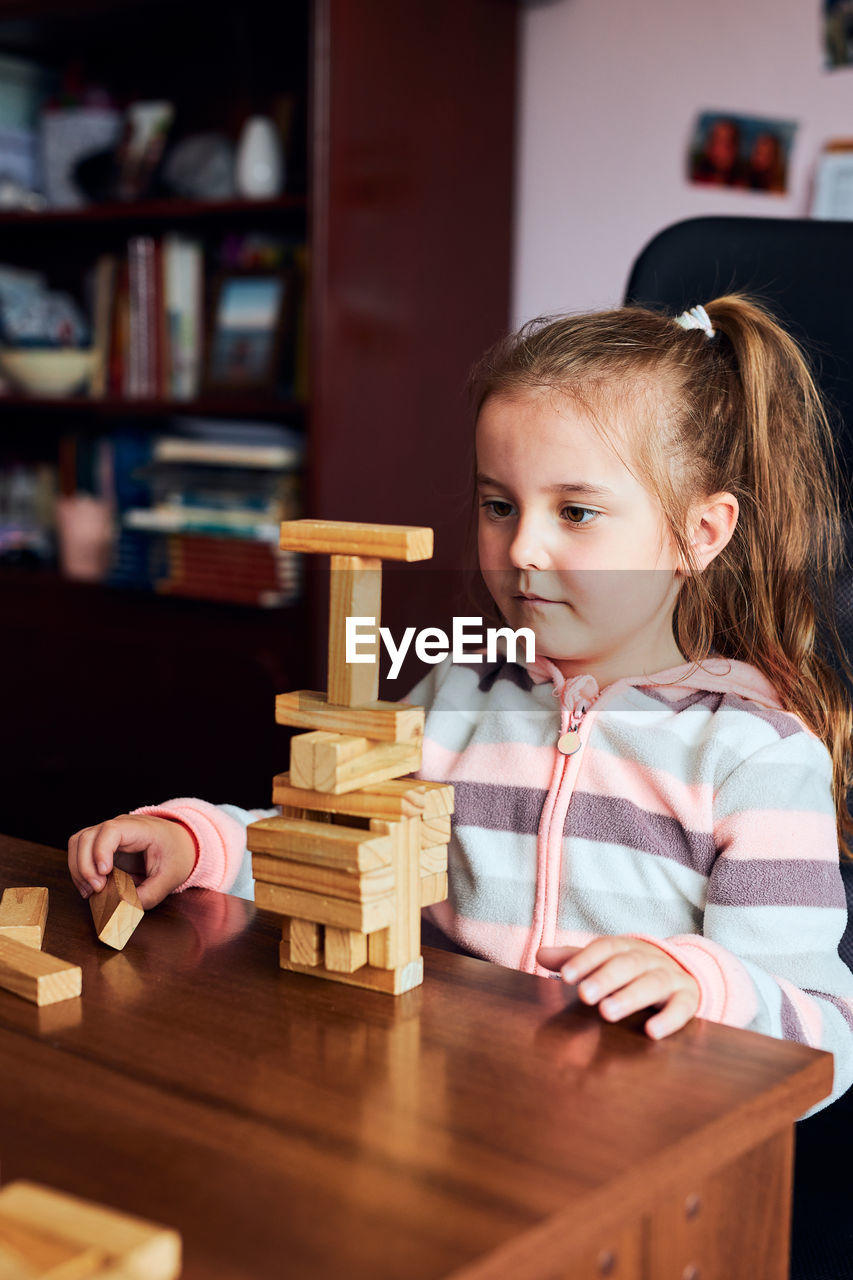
x: 165, y: 210
x: 219, y: 406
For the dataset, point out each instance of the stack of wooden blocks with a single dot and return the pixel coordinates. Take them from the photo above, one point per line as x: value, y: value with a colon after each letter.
x: 359, y: 848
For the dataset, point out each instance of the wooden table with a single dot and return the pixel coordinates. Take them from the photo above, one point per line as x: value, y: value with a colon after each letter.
x: 484, y: 1125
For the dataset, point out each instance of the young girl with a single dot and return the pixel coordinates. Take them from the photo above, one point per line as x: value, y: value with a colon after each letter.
x: 652, y: 808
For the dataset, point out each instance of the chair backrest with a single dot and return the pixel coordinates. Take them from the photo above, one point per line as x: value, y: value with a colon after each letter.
x: 803, y: 269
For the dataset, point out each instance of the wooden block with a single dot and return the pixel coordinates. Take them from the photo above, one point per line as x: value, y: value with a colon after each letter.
x: 120, y: 1245
x: 350, y: 538
x: 23, y: 914
x: 345, y: 950
x: 400, y: 944
x: 435, y: 831
x: 433, y: 859
x: 35, y: 975
x: 438, y: 798
x: 397, y: 798
x: 433, y: 888
x: 306, y: 942
x: 336, y: 764
x: 28, y: 1254
x: 351, y: 886
x: 322, y: 844
x: 363, y: 917
x: 381, y: 721
x: 355, y: 592
x: 392, y: 982
x: 116, y: 910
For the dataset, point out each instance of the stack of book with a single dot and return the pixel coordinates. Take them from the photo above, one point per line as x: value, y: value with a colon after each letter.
x: 204, y: 515
x: 149, y: 319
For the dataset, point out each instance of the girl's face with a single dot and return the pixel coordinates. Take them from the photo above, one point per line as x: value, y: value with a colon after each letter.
x: 571, y: 544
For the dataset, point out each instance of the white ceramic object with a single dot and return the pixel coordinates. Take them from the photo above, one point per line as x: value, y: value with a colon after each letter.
x: 260, y: 165
x: 49, y: 373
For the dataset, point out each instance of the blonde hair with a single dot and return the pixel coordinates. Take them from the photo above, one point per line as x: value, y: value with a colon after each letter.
x: 739, y: 412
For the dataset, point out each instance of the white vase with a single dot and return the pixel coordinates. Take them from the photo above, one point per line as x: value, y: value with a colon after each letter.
x: 260, y: 167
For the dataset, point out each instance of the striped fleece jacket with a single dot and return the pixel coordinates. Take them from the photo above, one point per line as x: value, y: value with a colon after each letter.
x: 696, y: 814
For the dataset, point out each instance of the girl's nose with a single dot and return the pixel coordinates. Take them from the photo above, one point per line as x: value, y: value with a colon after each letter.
x: 529, y: 547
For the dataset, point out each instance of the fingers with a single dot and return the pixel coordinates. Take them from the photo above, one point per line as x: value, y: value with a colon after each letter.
x: 675, y: 1014
x: 91, y: 852
x: 555, y: 957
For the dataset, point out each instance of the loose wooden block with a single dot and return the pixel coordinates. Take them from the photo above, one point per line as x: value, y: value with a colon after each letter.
x: 392, y: 982
x: 350, y: 538
x: 433, y: 888
x: 345, y: 951
x: 37, y: 1222
x: 116, y: 910
x: 355, y: 592
x: 23, y: 915
x: 35, y: 975
x: 381, y: 721
x: 351, y: 886
x: 321, y: 844
x: 363, y: 917
x: 306, y: 942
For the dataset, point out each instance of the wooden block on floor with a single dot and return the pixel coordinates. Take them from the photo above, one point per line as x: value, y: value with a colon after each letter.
x: 381, y: 721
x: 351, y: 538
x: 363, y: 917
x: 345, y: 950
x: 433, y: 888
x: 37, y: 976
x: 23, y: 914
x: 355, y: 592
x: 336, y: 764
x: 349, y: 885
x: 36, y: 1221
x: 322, y: 844
x: 392, y: 982
x: 306, y: 942
x: 116, y: 910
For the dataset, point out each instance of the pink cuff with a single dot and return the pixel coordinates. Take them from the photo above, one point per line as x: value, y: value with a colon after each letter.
x: 726, y: 991
x: 220, y: 841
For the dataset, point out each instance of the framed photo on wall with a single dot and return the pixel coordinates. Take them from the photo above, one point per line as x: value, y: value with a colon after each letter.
x: 250, y: 321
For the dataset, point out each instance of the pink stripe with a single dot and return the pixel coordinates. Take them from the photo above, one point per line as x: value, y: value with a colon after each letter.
x: 649, y: 788
x: 763, y: 833
x: 807, y: 1010
x: 501, y: 943
x: 727, y: 993
x: 489, y: 762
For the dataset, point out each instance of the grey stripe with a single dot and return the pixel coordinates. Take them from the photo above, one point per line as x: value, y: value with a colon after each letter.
x: 505, y: 670
x: 792, y: 1028
x: 616, y: 821
x: 770, y: 882
x: 498, y: 808
x: 844, y: 1009
x: 782, y: 722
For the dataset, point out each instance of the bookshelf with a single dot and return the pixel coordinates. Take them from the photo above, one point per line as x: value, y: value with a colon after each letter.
x: 400, y: 186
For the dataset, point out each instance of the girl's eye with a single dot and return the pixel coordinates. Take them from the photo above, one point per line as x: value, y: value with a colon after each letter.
x: 496, y: 508
x: 575, y: 515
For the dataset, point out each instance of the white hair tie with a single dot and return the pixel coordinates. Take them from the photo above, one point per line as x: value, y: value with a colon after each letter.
x: 696, y: 318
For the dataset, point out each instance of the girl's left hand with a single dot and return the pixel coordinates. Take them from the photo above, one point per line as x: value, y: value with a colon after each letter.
x: 624, y: 975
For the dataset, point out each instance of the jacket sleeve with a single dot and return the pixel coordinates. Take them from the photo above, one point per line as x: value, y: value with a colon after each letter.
x: 767, y: 958
x: 219, y: 831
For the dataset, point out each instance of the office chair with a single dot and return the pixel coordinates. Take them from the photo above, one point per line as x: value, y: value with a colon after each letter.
x: 804, y: 271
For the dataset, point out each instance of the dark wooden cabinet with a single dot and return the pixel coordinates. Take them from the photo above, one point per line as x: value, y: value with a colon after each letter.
x: 115, y: 698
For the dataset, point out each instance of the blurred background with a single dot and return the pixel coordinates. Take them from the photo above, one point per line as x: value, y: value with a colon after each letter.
x: 248, y: 254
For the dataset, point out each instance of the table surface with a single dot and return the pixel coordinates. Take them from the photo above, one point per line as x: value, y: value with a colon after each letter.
x: 288, y: 1125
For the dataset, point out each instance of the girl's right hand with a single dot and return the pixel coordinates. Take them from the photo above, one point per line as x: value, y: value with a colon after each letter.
x: 167, y: 850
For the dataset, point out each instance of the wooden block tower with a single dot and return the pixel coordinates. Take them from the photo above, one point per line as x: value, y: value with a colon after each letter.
x: 359, y: 848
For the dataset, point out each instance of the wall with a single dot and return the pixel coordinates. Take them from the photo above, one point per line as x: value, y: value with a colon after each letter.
x: 608, y: 96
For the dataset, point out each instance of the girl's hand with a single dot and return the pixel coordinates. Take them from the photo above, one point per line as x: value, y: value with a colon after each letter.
x: 167, y: 848
x: 624, y: 975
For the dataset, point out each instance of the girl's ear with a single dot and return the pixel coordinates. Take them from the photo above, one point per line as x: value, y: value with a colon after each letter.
x: 712, y: 523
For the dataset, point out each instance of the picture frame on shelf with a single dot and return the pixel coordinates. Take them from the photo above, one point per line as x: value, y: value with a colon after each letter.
x: 250, y: 322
